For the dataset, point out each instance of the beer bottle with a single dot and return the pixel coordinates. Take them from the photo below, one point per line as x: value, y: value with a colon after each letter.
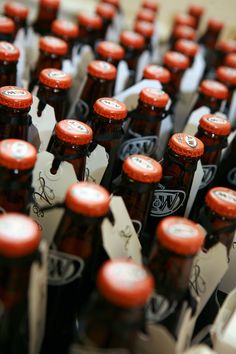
x: 100, y: 83
x: 230, y: 60
x: 110, y: 52
x: 7, y: 29
x: 52, y: 52
x: 70, y: 143
x: 159, y: 73
x: 146, y: 15
x: 196, y: 11
x: 188, y: 48
x: 19, y: 241
x: 151, y: 5
x: 17, y: 160
x: 146, y: 29
x: 53, y: 90
x: 89, y: 28
x: 133, y: 44
x: 213, y: 131
x: 116, y: 312
x: 182, y: 19
x: 224, y: 47
x: 15, y: 104
x: 178, y: 240
x: 115, y: 3
x: 47, y: 13
x: 18, y: 13
x: 9, y: 55
x: 182, y: 32
x: 67, y: 31
x: 227, y: 76
x: 74, y: 258
x: 212, y: 34
x: 179, y: 165
x: 107, y: 13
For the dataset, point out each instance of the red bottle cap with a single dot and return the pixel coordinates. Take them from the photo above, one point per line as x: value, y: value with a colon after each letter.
x: 215, y: 24
x: 7, y: 25
x: 214, y: 124
x: 176, y: 60
x: 55, y: 78
x: 227, y: 75
x: 180, y: 235
x: 186, y: 47
x: 51, y: 4
x: 74, y: 132
x: 88, y: 199
x: 184, y: 20
x: 65, y: 28
x: 151, y: 5
x: 196, y: 10
x: 115, y: 3
x: 146, y: 15
x: 9, y: 52
x: 17, y: 154
x: 222, y: 201
x: 110, y: 108
x: 132, y: 39
x: 154, y: 97
x: 90, y: 20
x: 110, y: 50
x: 142, y: 168
x: 15, y: 97
x: 106, y: 11
x: 53, y: 45
x: 156, y: 72
x: 214, y: 89
x: 102, y: 70
x: 16, y: 9
x: 19, y: 235
x: 227, y: 45
x: 186, y: 145
x: 230, y: 60
x: 184, y: 32
x: 125, y: 283
x: 146, y: 29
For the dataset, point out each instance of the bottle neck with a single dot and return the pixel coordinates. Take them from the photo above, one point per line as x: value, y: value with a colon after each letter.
x: 132, y: 57
x: 109, y: 60
x: 176, y: 77
x: 213, y: 146
x: 7, y: 37
x: 88, y: 35
x: 48, y: 60
x: 8, y: 73
x: 44, y: 19
x: 14, y: 123
x: 210, y: 38
x: 214, y: 104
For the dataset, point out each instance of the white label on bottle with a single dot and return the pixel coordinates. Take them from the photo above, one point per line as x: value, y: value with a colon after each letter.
x: 140, y: 162
x: 111, y: 103
x: 7, y: 46
x: 158, y: 308
x: 231, y: 176
x: 167, y: 202
x: 146, y: 145
x: 182, y: 230
x: 209, y: 174
x: 191, y: 141
x: 77, y: 126
x: 88, y: 194
x: 19, y: 149
x: 15, y: 93
x: 56, y: 74
x: 225, y: 196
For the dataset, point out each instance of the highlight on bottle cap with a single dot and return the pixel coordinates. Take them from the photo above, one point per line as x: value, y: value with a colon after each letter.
x: 19, y: 235
x: 125, y: 283
x: 146, y: 29
x: 106, y: 11
x: 115, y: 3
x: 186, y: 145
x: 88, y: 199
x: 52, y: 4
x: 74, y: 132
x: 146, y: 15
x: 8, y: 52
x: 53, y: 45
x: 132, y: 39
x: 226, y: 74
x: 184, y: 32
x: 90, y: 20
x: 183, y: 19
x: 214, y: 89
x: 186, y: 47
x: 215, y: 24
x: 102, y: 70
x: 156, y: 72
x: 16, y: 9
x: 7, y: 25
x: 230, y: 60
x: 180, y: 235
x: 222, y: 201
x: 176, y: 60
x: 153, y: 96
x: 151, y: 5
x: 110, y: 108
x: 196, y: 10
x: 215, y: 124
x: 142, y: 168
x: 55, y: 78
x: 65, y: 28
x: 227, y: 45
x: 15, y: 97
x: 110, y: 50
x: 17, y: 154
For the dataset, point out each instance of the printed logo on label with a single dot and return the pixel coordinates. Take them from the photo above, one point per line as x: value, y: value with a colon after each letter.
x: 178, y: 56
x: 111, y: 104
x: 88, y: 194
x: 158, y: 308
x: 143, y: 163
x: 231, y: 177
x: 63, y: 268
x: 128, y: 275
x: 67, y: 24
x: 155, y: 91
x: 7, y: 46
x: 214, y: 85
x: 167, y: 202
x: 182, y: 230
x: 209, y: 174
x: 190, y: 141
x: 56, y: 74
x: 227, y: 197
x: 19, y: 150
x: 76, y: 126
x: 155, y: 69
x: 217, y: 120
x: 15, y: 92
x: 53, y: 41
x: 104, y: 66
x: 146, y: 145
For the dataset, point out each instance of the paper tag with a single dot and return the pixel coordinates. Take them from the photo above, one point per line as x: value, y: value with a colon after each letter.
x: 38, y: 300
x: 182, y: 111
x: 232, y: 111
x: 122, y: 77
x: 193, y: 122
x: 229, y: 281
x: 197, y: 180
x: 96, y: 165
x: 193, y: 75
x: 43, y: 126
x: 21, y: 65
x: 144, y: 60
x: 120, y: 240
x: 49, y: 190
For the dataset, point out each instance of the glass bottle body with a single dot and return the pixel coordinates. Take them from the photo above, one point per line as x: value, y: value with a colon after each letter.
x: 132, y: 56
x: 8, y: 73
x: 14, y: 123
x: 176, y: 77
x: 215, y: 105
x: 44, y: 20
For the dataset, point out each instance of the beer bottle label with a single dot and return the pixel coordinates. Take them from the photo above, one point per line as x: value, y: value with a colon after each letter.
x: 158, y: 308
x: 166, y: 202
x: 63, y: 268
x: 209, y: 174
x: 231, y: 176
x: 142, y: 145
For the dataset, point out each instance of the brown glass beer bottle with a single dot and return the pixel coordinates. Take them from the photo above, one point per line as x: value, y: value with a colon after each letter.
x: 18, y: 13
x: 196, y: 11
x: 7, y: 29
x: 188, y: 48
x: 47, y: 13
x: 230, y: 60
x: 107, y: 13
x: 212, y: 34
x: 89, y: 28
x: 183, y: 19
x: 110, y: 52
x: 227, y: 76
x: 9, y: 55
x: 159, y: 73
x: 146, y: 15
x: 182, y: 32
x: 146, y: 29
x: 224, y: 47
x: 151, y: 5
x: 67, y: 31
